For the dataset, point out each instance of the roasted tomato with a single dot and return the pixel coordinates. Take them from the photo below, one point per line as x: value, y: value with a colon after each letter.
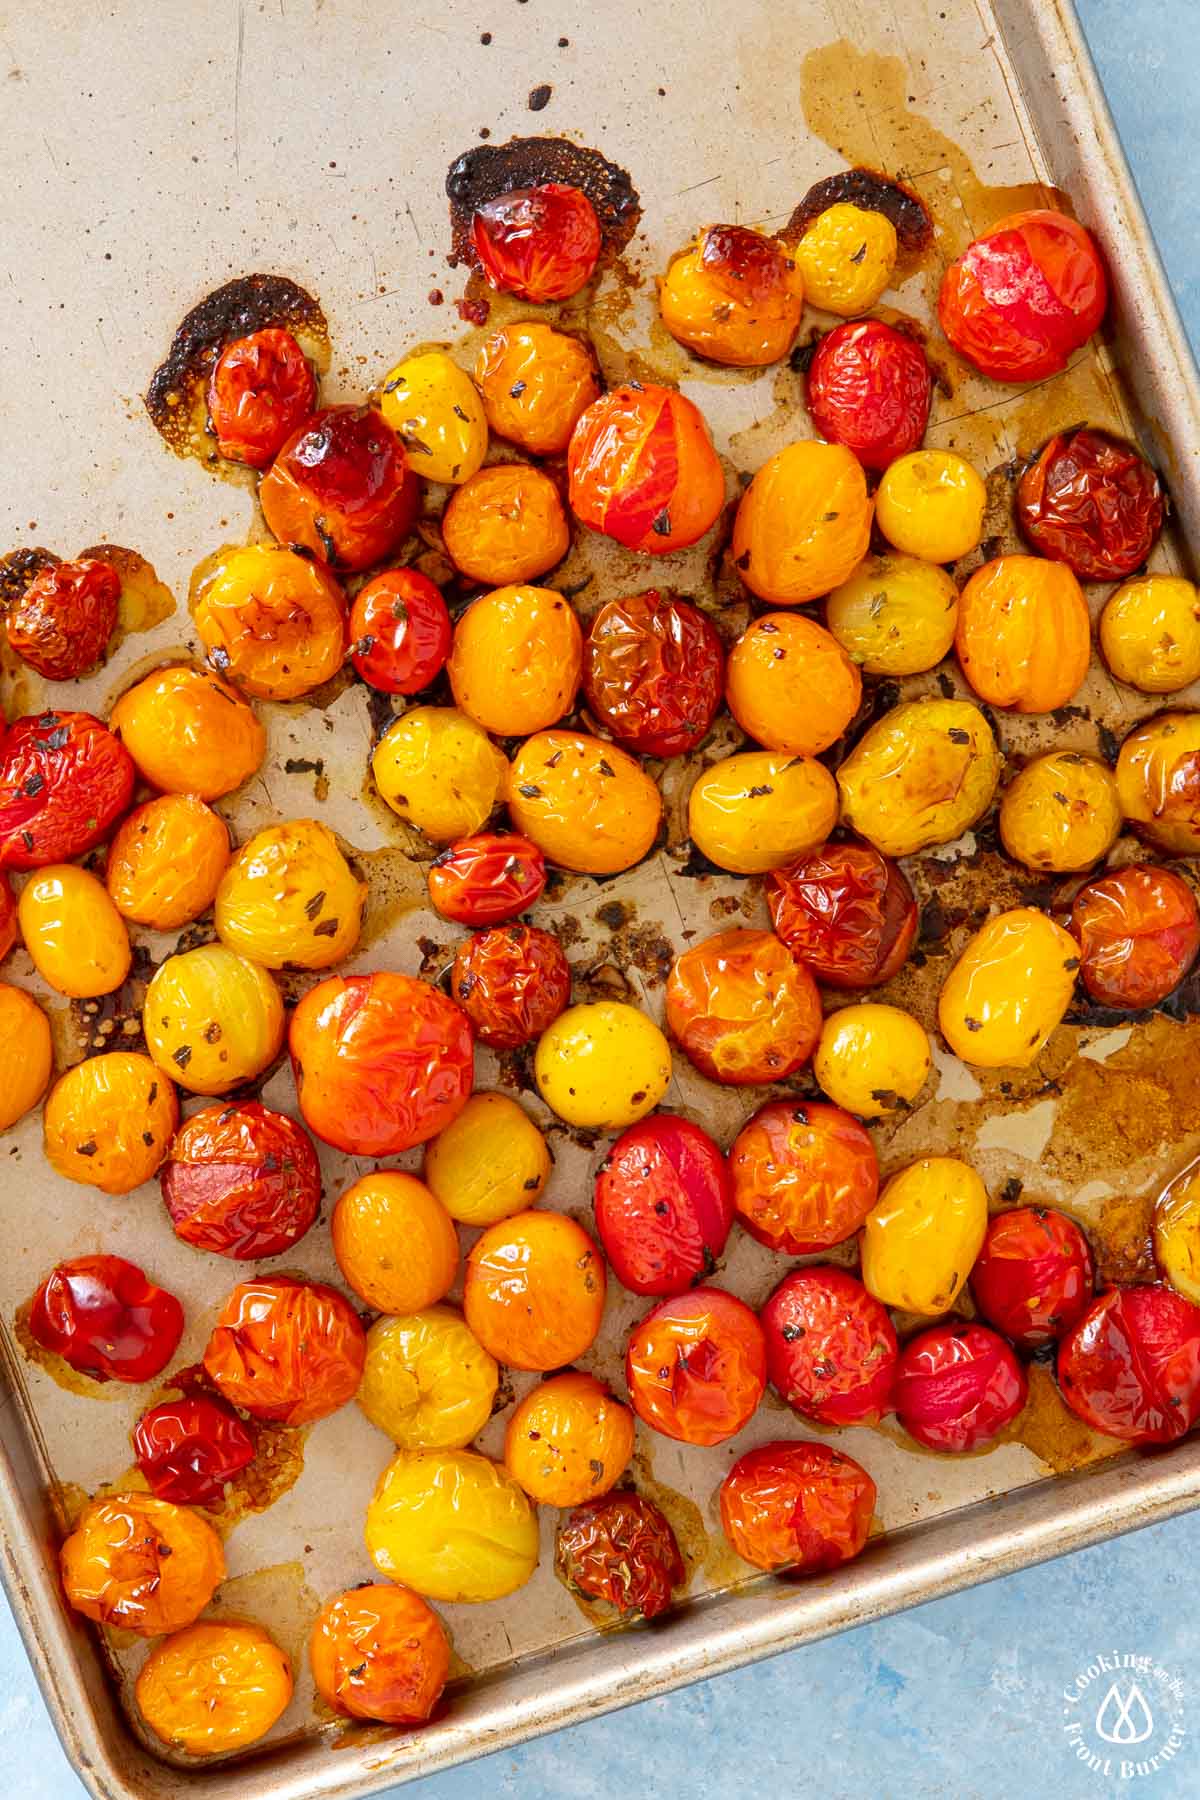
x: 1150, y: 633
x: 62, y: 622
x: 957, y: 1386
x: 1177, y: 1233
x: 380, y: 1653
x: 342, y: 487
x: 189, y: 1449
x: 517, y: 659
x: 382, y: 1062
x: 803, y: 524
x: 141, y: 1564
x: 188, y: 732
x: 568, y: 1440
x: 1033, y: 1278
x: 1061, y: 812
x: 103, y: 1316
x: 512, y: 982
x: 109, y: 1121
x: 26, y: 1053
x: 868, y: 388
x: 539, y: 243
x: 452, y: 1524
x: 602, y: 1065
x: 286, y: 1350
x: 643, y: 470
x: 8, y: 915
x: 73, y: 932
x: 846, y: 912
x: 535, y: 383
x: 804, y: 1174
x: 1021, y: 298
x: 921, y: 775
x: 1024, y: 637
x: 432, y: 406
x: 790, y: 685
x: 1091, y: 502
x: 930, y: 504
x: 166, y: 860
x: 1139, y: 932
x: 587, y: 805
x: 846, y: 258
x: 487, y: 879
x: 506, y: 525
x: 262, y: 390
x: 872, y: 1060
x: 272, y: 621
x: 622, y: 1550
x: 1131, y: 1366
x: 1009, y: 989
x: 214, y: 1687
x: 663, y: 1205
x: 534, y: 1290
x: 427, y: 1382
x: 241, y: 1180
x: 212, y: 1019
x: 653, y: 673
x: 923, y: 1236
x: 1158, y: 779
x: 896, y: 615
x: 489, y: 1163
x: 696, y: 1366
x: 440, y: 771
x: 831, y: 1348
x: 289, y: 899
x: 742, y: 1008
x: 65, y: 780
x: 395, y: 1242
x: 801, y: 1507
x: 399, y: 632
x: 734, y: 296
x: 754, y: 811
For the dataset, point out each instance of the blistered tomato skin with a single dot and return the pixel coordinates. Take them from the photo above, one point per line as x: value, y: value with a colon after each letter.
x: 663, y: 1205
x: 262, y: 390
x: 742, y: 1009
x: 399, y: 632
x: 512, y: 982
x: 453, y: 1525
x: 440, y: 771
x: 342, y: 487
x: 380, y: 1653
x: 241, y: 1180
x: 921, y: 775
x: 426, y: 1382
x: 1009, y: 990
x: 395, y: 1243
x: 587, y: 805
x: 872, y: 1060
x: 1150, y: 633
x: 26, y: 1053
x: 105, y: 1318
x: 1091, y: 502
x: 831, y: 1347
x: 790, y: 685
x: 63, y: 621
x: 957, y: 1386
x: 1158, y: 779
x: 755, y: 811
x: 803, y: 524
x: 109, y: 1121
x: 1033, y: 1277
x: 212, y: 1019
x: 1024, y: 637
x: 286, y: 1351
x: 602, y: 1065
x: 805, y: 1176
x: 642, y: 469
x: 868, y: 388
x: 846, y: 912
x: 487, y: 879
x: 1131, y: 1366
x: 535, y: 383
x: 289, y: 899
x: 432, y: 406
x: 214, y: 1687
x: 924, y: 1234
x: 166, y: 860
x: 653, y: 673
x: 141, y: 1564
x: 65, y: 780
x: 189, y: 1449
x: 273, y: 622
x: 188, y: 732
x: 620, y: 1549
x: 1177, y: 1233
x: 506, y: 525
x: 1139, y: 932
x: 490, y: 1162
x: 734, y: 297
x: 696, y: 1366
x: 568, y: 1440
x: 800, y: 1507
x: 930, y: 503
x: 73, y: 932
x: 539, y: 243
x: 1061, y: 812
x: 1021, y: 298
x: 517, y: 660
x: 534, y: 1290
x: 846, y: 257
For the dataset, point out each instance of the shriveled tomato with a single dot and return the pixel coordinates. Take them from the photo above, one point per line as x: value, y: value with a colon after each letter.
x: 922, y: 774
x: 105, y: 1317
x: 868, y: 388
x: 166, y: 860
x: 742, y: 1008
x: 506, y: 525
x: 1158, y: 779
x: 272, y: 619
x: 653, y: 673
x: 342, y: 487
x: 1131, y: 1366
x: 141, y: 1564
x: 262, y: 390
x: 286, y: 1350
x: 622, y: 1550
x: 289, y: 899
x: 734, y: 296
x: 696, y: 1366
x: 380, y: 1653
x: 1033, y: 1277
x: 846, y: 912
x: 643, y: 470
x: 512, y: 982
x: 831, y: 1347
x: 65, y: 780
x: 1139, y: 933
x: 241, y: 1180
x: 188, y: 1449
x: 1023, y: 296
x: 568, y: 1440
x: 663, y: 1205
x: 801, y: 1507
x: 534, y: 1290
x: 399, y: 632
x: 487, y: 879
x: 804, y: 1174
x: 453, y: 1525
x: 1092, y: 502
x: 62, y: 622
x: 957, y: 1386
x: 535, y: 382
x: 214, y: 1687
x: 540, y: 243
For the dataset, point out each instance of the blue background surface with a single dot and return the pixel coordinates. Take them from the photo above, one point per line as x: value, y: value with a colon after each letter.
x: 959, y: 1700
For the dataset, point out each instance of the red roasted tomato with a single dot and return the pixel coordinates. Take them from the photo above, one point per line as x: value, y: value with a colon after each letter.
x: 653, y: 673
x: 742, y: 1008
x: 487, y: 879
x: 805, y: 1175
x: 643, y: 470
x: 103, y: 1315
x: 65, y: 780
x: 62, y: 622
x: 342, y: 488
x: 262, y: 390
x: 1091, y: 502
x: 189, y: 1448
x: 868, y: 388
x: 846, y: 912
x: 1131, y: 1366
x: 400, y: 632
x: 1138, y: 932
x: 621, y: 1549
x: 1021, y: 298
x: 540, y: 243
x: 286, y: 1350
x: 796, y: 1506
x: 8, y: 916
x: 663, y: 1204
x: 1033, y: 1277
x: 241, y: 1180
x: 511, y: 982
x: 831, y: 1347
x: 696, y: 1366
x: 957, y: 1386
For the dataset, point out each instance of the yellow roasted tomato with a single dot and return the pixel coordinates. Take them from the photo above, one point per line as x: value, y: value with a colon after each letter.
x: 506, y: 525
x: 214, y: 1687
x: 432, y: 406
x: 803, y: 524
x: 109, y: 1121
x: 1150, y: 633
x: 924, y: 1234
x: 452, y: 1525
x: 73, y: 932
x: 931, y: 504
x: 26, y: 1053
x: 1061, y: 813
x: 516, y: 660
x: 395, y: 1243
x: 587, y: 806
x: 535, y: 383
x: 1024, y: 637
x: 602, y: 1065
x: 188, y: 732
x: 733, y: 296
x: 289, y: 898
x: 440, y: 771
x: 272, y: 620
x: 489, y: 1163
x: 427, y: 1381
x: 212, y: 1019
x: 166, y: 860
x: 895, y: 616
x: 1008, y: 990
x: 790, y: 685
x: 568, y: 1440
x: 872, y: 1059
x: 1158, y: 780
x: 846, y: 258
x: 921, y: 775
x: 757, y: 810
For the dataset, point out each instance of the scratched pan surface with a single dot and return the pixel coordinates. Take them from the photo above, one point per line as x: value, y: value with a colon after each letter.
x: 151, y: 155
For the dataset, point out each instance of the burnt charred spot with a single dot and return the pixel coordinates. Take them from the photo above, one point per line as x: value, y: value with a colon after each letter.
x: 873, y: 192
x: 18, y: 569
x: 488, y: 170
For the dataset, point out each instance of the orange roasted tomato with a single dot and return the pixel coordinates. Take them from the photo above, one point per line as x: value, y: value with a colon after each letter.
x: 381, y: 1061
x: 535, y: 383
x: 506, y: 525
x: 107, y: 1319
x: 803, y: 525
x: 534, y: 1290
x: 568, y: 1440
x: 342, y: 487
x: 141, y: 1564
x: 65, y: 780
x: 1158, y: 780
x: 1021, y: 298
x: 214, y: 1687
x: 742, y: 1008
x: 643, y: 470
x: 1091, y: 502
x: 487, y: 879
x: 790, y: 685
x: 380, y: 1652
x: 399, y: 632
x: 734, y: 296
x: 286, y: 1350
x: 512, y: 982
x: 539, y: 243
x: 696, y: 1366
x: 395, y: 1243
x: 621, y: 1549
x: 272, y: 621
x: 517, y: 659
x: 262, y: 390
x: 188, y: 732
x: 241, y: 1180
x: 801, y: 1507
x: 166, y: 861
x: 805, y: 1175
x: 586, y: 805
x: 109, y: 1121
x: 654, y: 672
x: 869, y: 388
x: 1139, y: 934
x: 73, y: 932
x: 289, y: 899
x: 846, y: 912
x: 62, y: 622
x: 1024, y: 637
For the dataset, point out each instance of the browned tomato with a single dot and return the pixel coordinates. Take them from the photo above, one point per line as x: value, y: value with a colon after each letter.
x: 696, y: 1366
x: 141, y: 1564
x: 831, y: 1347
x: 801, y: 1507
x: 189, y: 1449
x: 399, y: 632
x: 380, y: 1652
x: 653, y: 673
x: 540, y: 243
x: 620, y: 1549
x: 1139, y: 932
x: 261, y: 391
x: 62, y: 622
x: 805, y: 1175
x: 65, y: 780
x: 733, y: 296
x: 957, y: 1386
x: 1091, y: 502
x: 846, y: 912
x: 663, y: 1205
x: 1131, y: 1366
x: 643, y: 470
x: 104, y: 1316
x: 512, y: 982
x: 743, y: 1009
x: 1033, y: 1277
x: 342, y: 487
x: 488, y: 879
x: 241, y: 1180
x: 286, y: 1350
x: 868, y: 388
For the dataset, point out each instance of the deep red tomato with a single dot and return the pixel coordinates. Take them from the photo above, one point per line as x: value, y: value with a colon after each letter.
x: 846, y: 912
x: 511, y: 982
x: 189, y: 1448
x: 696, y: 1366
x: 342, y: 487
x: 797, y: 1506
x: 642, y: 469
x: 663, y: 1204
x: 1033, y: 1277
x: 286, y: 1350
x: 241, y: 1180
x: 62, y: 622
x: 868, y: 388
x: 831, y: 1347
x: 742, y: 1008
x: 1131, y: 1366
x: 957, y: 1386
x: 487, y: 879
x: 400, y: 632
x: 540, y: 243
x: 262, y: 390
x: 653, y: 673
x: 1138, y: 932
x: 8, y: 916
x: 65, y: 780
x: 1021, y: 298
x: 621, y: 1549
x: 104, y: 1316
x: 1091, y: 502
x: 805, y: 1175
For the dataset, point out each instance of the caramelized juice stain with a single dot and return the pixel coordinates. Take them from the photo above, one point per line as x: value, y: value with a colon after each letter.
x: 145, y: 600
x: 682, y: 1515
x: 1051, y: 1432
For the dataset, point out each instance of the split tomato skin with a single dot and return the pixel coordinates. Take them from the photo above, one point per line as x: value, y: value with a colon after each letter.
x: 831, y: 1347
x: 189, y: 1449
x: 797, y: 1507
x: 342, y: 488
x: 869, y: 389
x: 242, y: 1181
x: 846, y: 912
x: 1034, y: 1276
x: 539, y: 243
x: 805, y: 1176
x: 487, y: 879
x: 622, y: 1550
x: 1131, y: 1366
x: 1024, y: 296
x: 957, y: 1387
x: 653, y: 673
x: 1092, y: 502
x: 104, y: 1317
x: 286, y: 1351
x: 65, y: 780
x: 642, y: 469
x: 261, y: 391
x: 63, y: 621
x: 400, y: 632
x: 141, y: 1564
x: 663, y: 1205
x: 696, y: 1366
x: 1139, y: 933
x: 512, y: 982
x: 742, y: 1008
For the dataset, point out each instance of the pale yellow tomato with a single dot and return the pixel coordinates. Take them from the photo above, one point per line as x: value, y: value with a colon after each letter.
x: 1008, y: 990
x: 846, y: 258
x: 1150, y: 633
x: 433, y: 407
x: 930, y: 504
x: 923, y: 774
x: 489, y: 1163
x: 427, y: 1381
x: 1061, y: 813
x: 923, y: 1235
x: 872, y: 1059
x: 212, y: 1019
x: 1158, y: 780
x: 440, y: 771
x: 895, y: 616
x: 290, y: 899
x: 452, y: 1525
x: 73, y: 932
x: 757, y: 810
x: 602, y: 1065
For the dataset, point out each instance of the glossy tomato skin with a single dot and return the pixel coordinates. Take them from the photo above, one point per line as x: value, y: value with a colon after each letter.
x: 242, y: 1181
x: 805, y: 1175
x: 534, y: 1289
x: 1023, y: 296
x: 487, y: 879
x: 1139, y: 934
x: 261, y: 391
x: 733, y: 296
x: 653, y: 673
x: 1034, y: 1276
x: 831, y: 1347
x: 62, y: 622
x: 663, y: 1205
x: 65, y: 780
x: 642, y: 469
x: 1092, y: 502
x: 285, y: 1350
x: 103, y: 1316
x: 380, y: 1652
x: 868, y: 388
x: 801, y: 1507
x: 188, y: 1449
x: 957, y: 1386
x: 540, y: 243
x: 512, y: 982
x: 696, y: 1366
x: 742, y: 1008
x: 1131, y: 1366
x: 400, y: 632
x: 846, y: 912
x: 141, y: 1564
x: 342, y: 488
x: 621, y: 1549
